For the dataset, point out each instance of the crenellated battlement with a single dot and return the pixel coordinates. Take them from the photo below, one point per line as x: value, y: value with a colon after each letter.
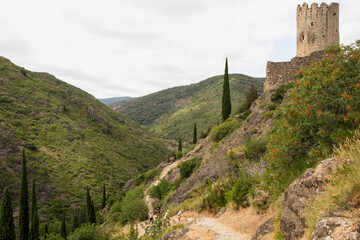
x: 317, y: 27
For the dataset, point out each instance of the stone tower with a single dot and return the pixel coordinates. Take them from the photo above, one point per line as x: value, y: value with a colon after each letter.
x: 317, y: 27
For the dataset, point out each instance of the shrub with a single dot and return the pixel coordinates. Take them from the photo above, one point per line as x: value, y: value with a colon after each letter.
x: 242, y: 107
x: 240, y: 190
x: 279, y: 93
x: 323, y: 108
x: 147, y: 177
x: 255, y: 149
x: 244, y: 115
x: 156, y: 228
x: 224, y: 129
x: 133, y: 206
x: 86, y: 232
x: 272, y: 106
x: 161, y: 190
x: 215, y: 198
x: 190, y: 166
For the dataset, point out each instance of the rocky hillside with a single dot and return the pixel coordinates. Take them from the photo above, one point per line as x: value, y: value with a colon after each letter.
x: 71, y: 139
x: 172, y: 112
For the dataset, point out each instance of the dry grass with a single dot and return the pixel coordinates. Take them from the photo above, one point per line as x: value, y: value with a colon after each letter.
x: 343, y: 188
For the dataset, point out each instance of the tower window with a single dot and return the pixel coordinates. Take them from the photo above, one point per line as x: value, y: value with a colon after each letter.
x: 312, y: 23
x: 303, y: 37
x: 334, y: 14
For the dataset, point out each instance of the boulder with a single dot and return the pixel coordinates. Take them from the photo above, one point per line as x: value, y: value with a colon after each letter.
x: 300, y: 194
x: 332, y: 228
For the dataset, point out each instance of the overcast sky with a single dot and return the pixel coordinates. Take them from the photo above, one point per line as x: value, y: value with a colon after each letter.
x: 135, y: 47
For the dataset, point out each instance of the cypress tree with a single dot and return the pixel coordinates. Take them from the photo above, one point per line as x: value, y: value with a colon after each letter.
x: 46, y: 231
x: 7, y: 228
x: 251, y: 96
x: 88, y: 205
x: 226, y: 102
x: 92, y: 213
x: 34, y: 225
x: 63, y: 226
x: 180, y: 145
x: 23, y: 203
x: 195, y: 134
x: 103, y: 203
x: 75, y: 219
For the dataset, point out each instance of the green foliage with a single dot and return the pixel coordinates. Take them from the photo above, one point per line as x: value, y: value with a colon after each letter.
x: 7, y: 228
x: 255, y: 149
x: 172, y: 112
x: 179, y: 155
x: 322, y: 109
x: 224, y: 129
x: 215, y: 198
x: 240, y: 190
x: 180, y: 145
x: 226, y: 101
x: 86, y: 232
x: 70, y: 139
x: 244, y: 115
x: 195, y: 134
x: 23, y: 202
x: 156, y: 228
x: 161, y: 190
x: 189, y: 166
x: 133, y: 206
x: 34, y: 225
x: 279, y: 93
x: 251, y: 96
x: 242, y: 107
x: 146, y: 177
x: 23, y: 72
x: 272, y: 106
x: 63, y: 227
x: 103, y: 202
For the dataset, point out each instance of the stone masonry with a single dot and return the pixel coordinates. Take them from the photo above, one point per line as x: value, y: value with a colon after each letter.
x: 317, y: 28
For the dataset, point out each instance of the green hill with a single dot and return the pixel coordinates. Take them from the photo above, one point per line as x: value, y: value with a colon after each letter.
x: 71, y: 139
x: 112, y: 100
x: 172, y: 112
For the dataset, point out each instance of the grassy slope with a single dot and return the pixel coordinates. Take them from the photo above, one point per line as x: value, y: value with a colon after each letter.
x: 71, y: 139
x: 109, y: 101
x: 172, y: 112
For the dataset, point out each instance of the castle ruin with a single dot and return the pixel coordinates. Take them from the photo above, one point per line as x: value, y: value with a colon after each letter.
x: 317, y: 28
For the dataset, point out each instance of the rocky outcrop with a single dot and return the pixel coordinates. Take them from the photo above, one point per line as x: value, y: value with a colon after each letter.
x: 332, y: 228
x: 265, y: 229
x: 300, y: 194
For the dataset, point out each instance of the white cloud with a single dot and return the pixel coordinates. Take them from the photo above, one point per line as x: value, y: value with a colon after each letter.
x: 121, y: 48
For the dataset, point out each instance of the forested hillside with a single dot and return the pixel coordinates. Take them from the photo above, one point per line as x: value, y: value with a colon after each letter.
x: 171, y: 113
x: 71, y: 140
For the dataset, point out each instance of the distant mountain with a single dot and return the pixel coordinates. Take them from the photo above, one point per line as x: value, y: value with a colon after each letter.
x: 109, y: 101
x: 172, y: 112
x: 71, y: 140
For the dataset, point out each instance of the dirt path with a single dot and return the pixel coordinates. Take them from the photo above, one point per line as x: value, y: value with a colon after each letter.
x: 216, y: 229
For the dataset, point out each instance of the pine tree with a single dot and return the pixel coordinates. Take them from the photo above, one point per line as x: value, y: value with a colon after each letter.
x: 7, y: 228
x: 180, y: 145
x: 92, y: 213
x: 226, y: 102
x: 103, y: 203
x: 195, y: 134
x: 251, y: 96
x: 88, y: 205
x: 34, y: 225
x: 23, y: 203
x: 63, y: 226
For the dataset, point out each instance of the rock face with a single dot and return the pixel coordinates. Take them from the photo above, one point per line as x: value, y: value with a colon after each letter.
x: 332, y: 228
x: 299, y: 195
x: 264, y: 229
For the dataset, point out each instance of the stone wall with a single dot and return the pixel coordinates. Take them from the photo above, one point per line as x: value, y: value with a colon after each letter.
x: 278, y: 73
x: 317, y: 27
